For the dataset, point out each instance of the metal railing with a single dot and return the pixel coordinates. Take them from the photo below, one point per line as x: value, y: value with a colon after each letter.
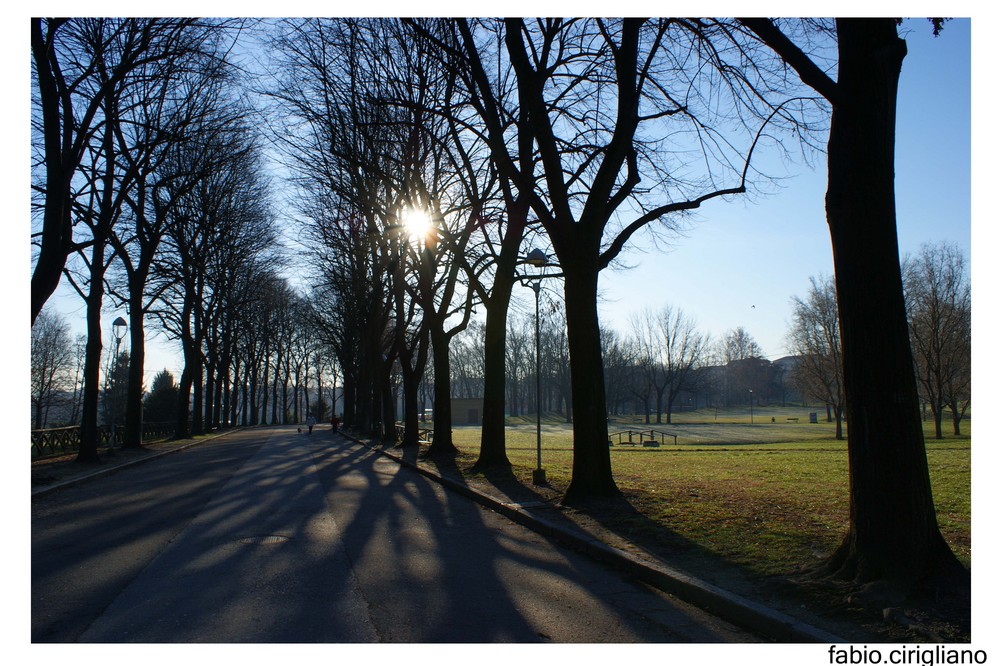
x: 648, y: 438
x: 52, y: 442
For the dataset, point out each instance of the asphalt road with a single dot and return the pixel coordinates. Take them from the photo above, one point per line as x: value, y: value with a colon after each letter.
x: 267, y: 535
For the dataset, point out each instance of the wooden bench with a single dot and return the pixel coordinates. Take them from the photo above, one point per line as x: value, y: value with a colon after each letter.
x: 792, y: 419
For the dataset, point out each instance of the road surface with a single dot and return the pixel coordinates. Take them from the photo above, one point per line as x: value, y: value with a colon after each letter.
x: 268, y: 535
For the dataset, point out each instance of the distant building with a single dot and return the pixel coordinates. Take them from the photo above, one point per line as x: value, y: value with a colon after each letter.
x: 466, y: 411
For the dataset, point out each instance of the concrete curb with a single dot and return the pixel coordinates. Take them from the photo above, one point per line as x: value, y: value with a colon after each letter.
x: 108, y: 471
x: 743, y: 612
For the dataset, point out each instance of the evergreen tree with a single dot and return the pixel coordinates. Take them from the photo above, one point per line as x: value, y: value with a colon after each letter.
x: 160, y: 403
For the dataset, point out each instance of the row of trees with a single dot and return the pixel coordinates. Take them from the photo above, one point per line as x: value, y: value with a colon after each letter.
x: 575, y: 134
x: 464, y: 121
x: 499, y: 130
x: 150, y: 192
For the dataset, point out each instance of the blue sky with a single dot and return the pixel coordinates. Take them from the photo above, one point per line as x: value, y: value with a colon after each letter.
x: 741, y: 262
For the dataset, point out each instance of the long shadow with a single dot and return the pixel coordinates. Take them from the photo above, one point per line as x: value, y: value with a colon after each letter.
x: 802, y: 594
x: 617, y: 516
x: 89, y: 541
x: 425, y: 606
x: 253, y: 566
x: 166, y: 552
x: 462, y: 569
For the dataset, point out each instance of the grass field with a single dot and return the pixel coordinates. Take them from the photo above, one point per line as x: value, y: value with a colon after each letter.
x: 771, y: 497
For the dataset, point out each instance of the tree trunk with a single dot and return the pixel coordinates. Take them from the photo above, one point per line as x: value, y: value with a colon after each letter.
x: 197, y: 392
x: 137, y: 360
x: 89, y: 432
x: 493, y: 442
x: 442, y: 445
x: 956, y: 418
x: 387, y: 403
x: 411, y: 416
x: 938, y: 418
x: 893, y: 533
x: 60, y: 163
x: 591, y: 459
x: 350, y: 401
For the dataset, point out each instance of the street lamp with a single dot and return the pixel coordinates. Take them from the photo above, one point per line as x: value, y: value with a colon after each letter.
x: 539, y: 260
x: 751, y: 406
x: 118, y: 328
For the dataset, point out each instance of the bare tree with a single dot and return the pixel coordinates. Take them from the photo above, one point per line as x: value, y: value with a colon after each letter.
x: 617, y: 354
x: 175, y: 116
x: 670, y: 347
x: 338, y: 135
x: 939, y: 311
x: 224, y: 222
x: 597, y: 94
x: 85, y: 129
x: 78, y: 65
x: 51, y: 364
x: 467, y: 362
x: 743, y: 367
x: 815, y: 337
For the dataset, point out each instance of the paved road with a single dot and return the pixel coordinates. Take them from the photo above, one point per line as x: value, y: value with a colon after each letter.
x: 270, y: 536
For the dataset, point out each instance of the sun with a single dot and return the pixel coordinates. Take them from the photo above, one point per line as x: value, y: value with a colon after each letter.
x: 417, y: 224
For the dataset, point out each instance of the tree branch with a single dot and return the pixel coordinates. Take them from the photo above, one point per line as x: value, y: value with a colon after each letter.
x: 810, y: 73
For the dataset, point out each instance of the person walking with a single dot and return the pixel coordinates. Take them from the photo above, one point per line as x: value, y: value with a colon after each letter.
x: 311, y: 421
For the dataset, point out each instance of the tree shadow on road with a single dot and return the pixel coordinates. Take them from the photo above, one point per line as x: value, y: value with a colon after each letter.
x: 475, y: 596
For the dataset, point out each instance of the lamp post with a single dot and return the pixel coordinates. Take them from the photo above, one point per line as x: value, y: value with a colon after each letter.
x: 751, y: 406
x: 118, y: 328
x: 539, y: 260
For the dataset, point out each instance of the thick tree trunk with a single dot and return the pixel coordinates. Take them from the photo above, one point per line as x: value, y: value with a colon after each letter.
x: 442, y: 445
x: 893, y: 533
x: 591, y: 459
x: 208, y: 397
x: 411, y: 416
x: 60, y: 163
x: 350, y: 400
x: 387, y: 403
x: 493, y: 443
x: 89, y: 432
x: 183, y: 427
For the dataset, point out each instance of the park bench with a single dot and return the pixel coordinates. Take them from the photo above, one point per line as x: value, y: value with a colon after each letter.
x: 646, y: 438
x: 792, y: 419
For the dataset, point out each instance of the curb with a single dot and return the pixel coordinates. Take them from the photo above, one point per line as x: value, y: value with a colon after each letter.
x: 108, y: 471
x: 743, y: 612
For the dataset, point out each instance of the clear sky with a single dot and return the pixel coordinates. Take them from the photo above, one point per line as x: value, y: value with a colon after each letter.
x: 740, y: 261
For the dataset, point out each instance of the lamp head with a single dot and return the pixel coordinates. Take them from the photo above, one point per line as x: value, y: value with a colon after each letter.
x: 120, y: 326
x: 537, y: 258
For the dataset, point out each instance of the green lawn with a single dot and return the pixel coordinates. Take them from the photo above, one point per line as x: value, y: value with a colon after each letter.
x: 771, y: 497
